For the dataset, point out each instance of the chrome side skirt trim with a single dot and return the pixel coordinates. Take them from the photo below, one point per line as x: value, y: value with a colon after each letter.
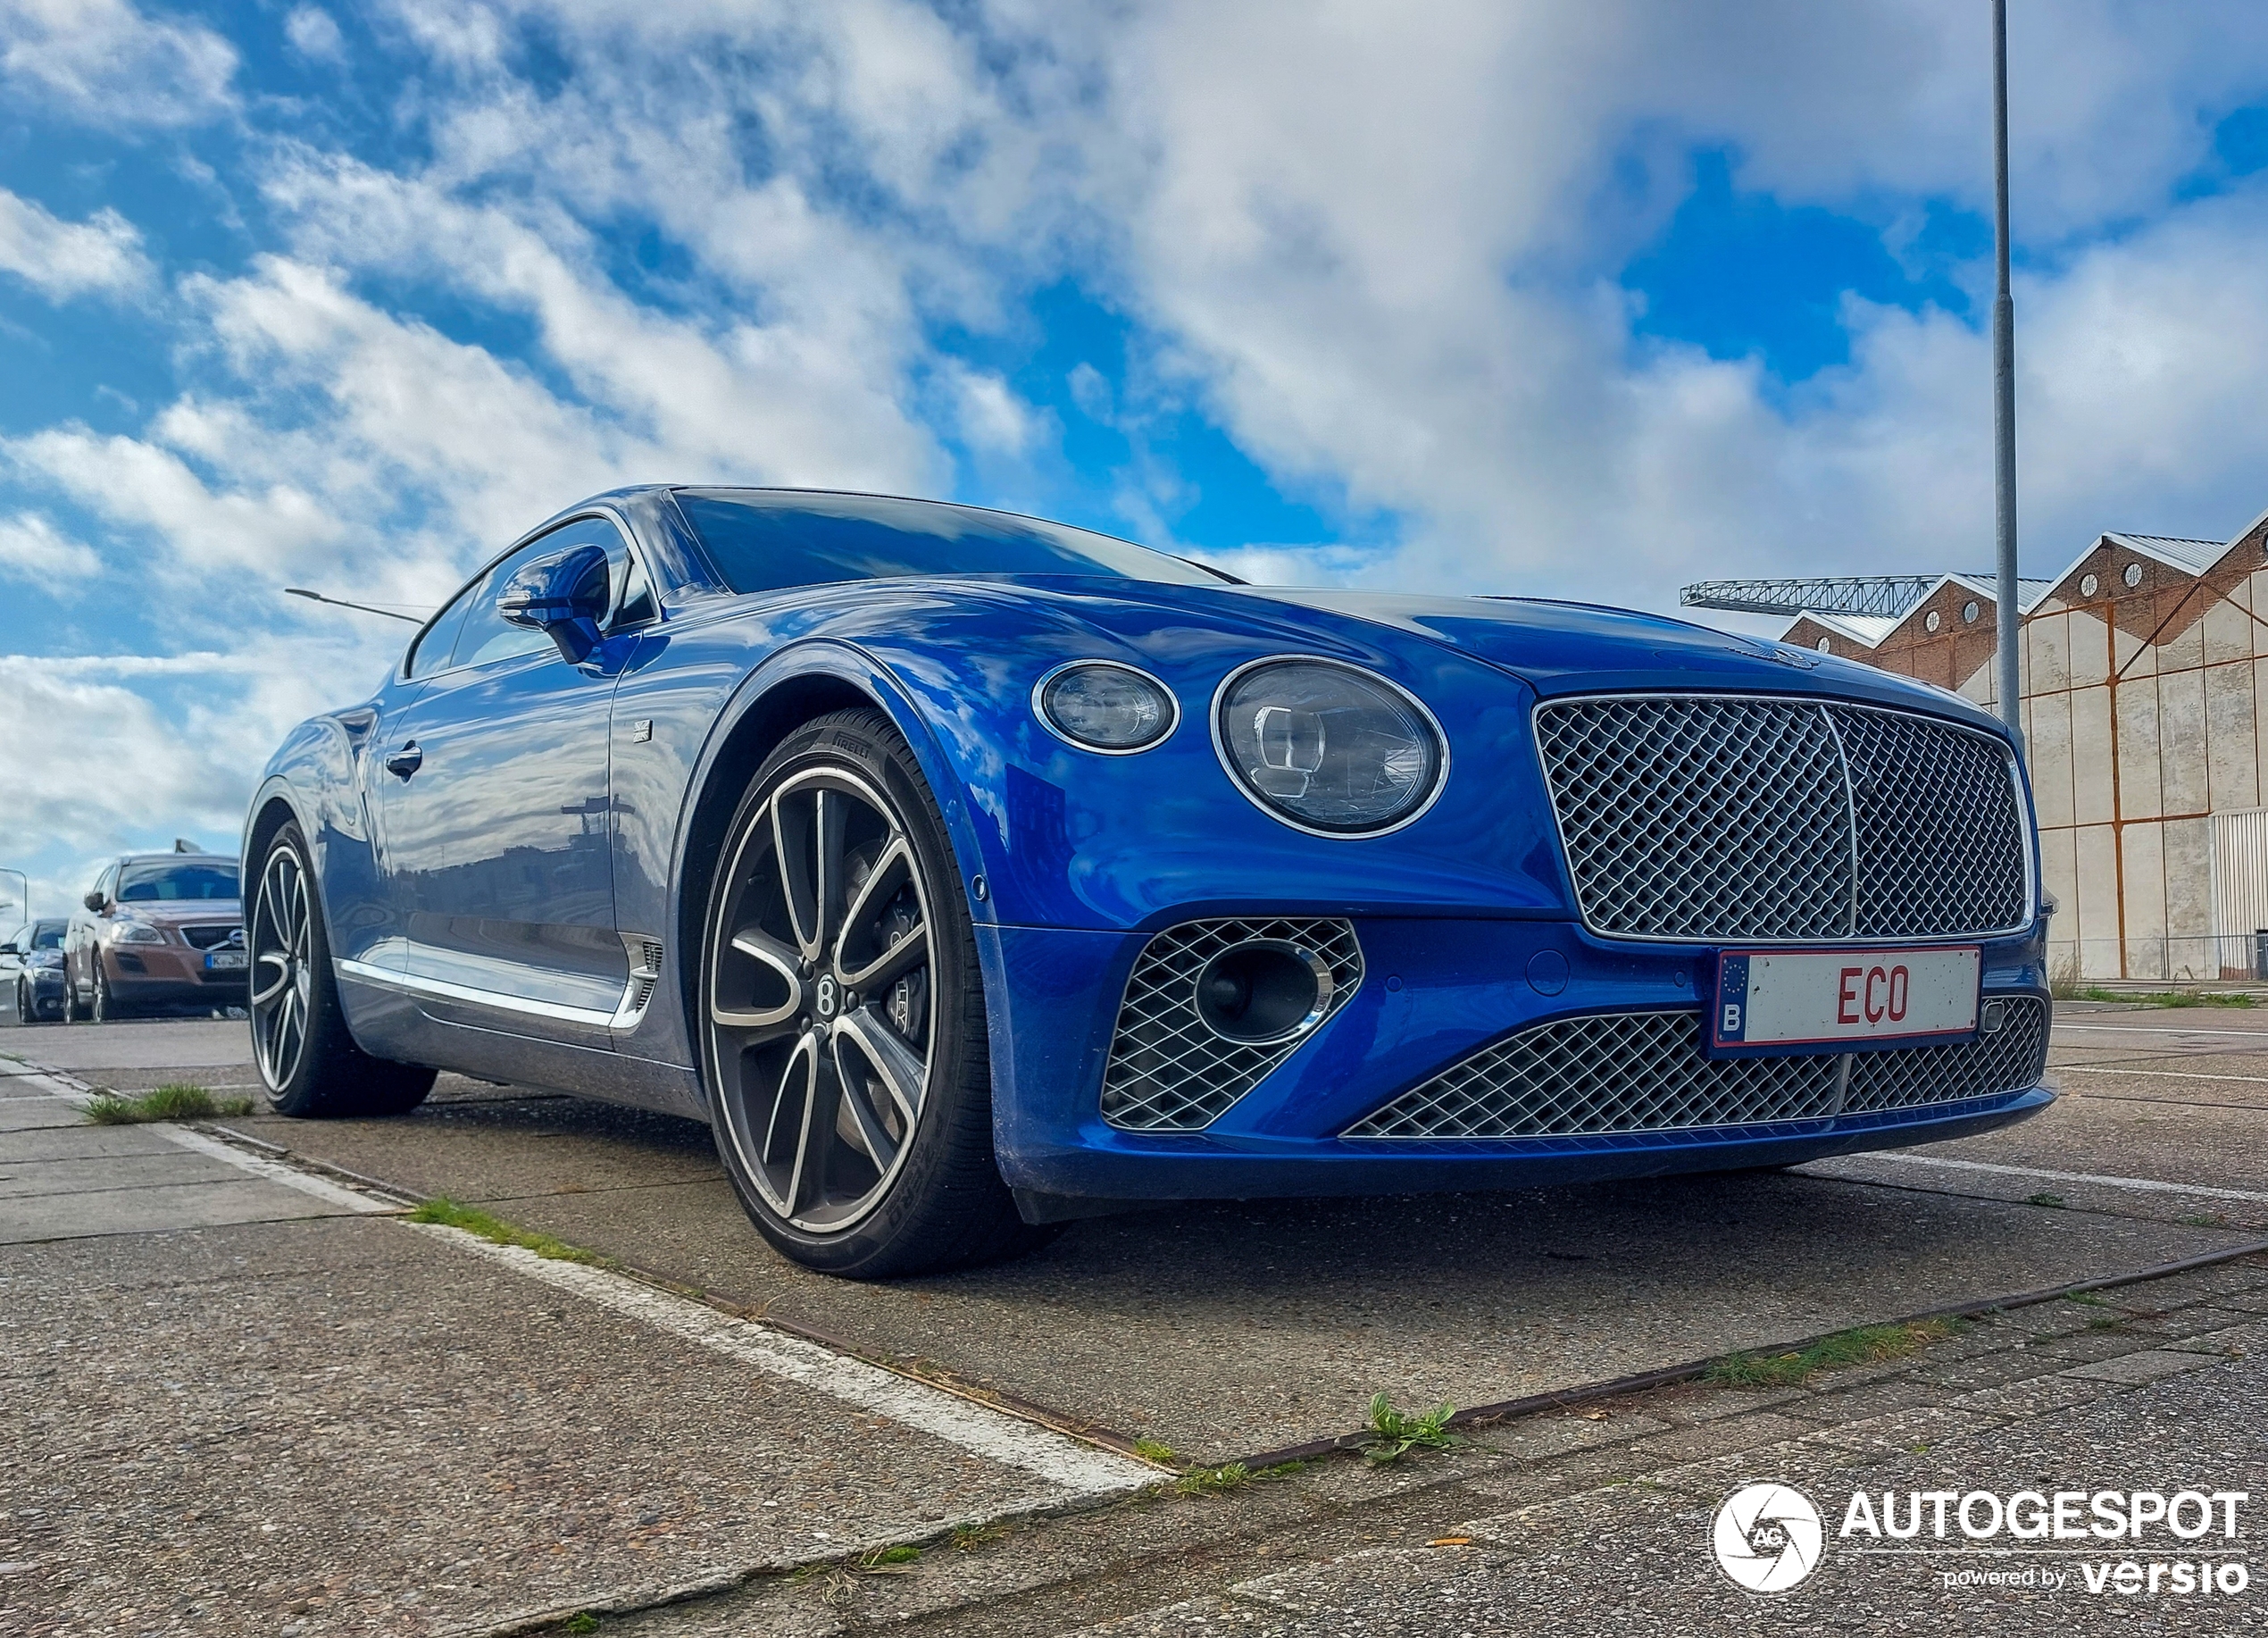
x: 417, y: 984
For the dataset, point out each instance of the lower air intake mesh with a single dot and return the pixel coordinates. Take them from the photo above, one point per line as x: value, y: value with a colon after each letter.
x: 1167, y: 1071
x: 1644, y: 1071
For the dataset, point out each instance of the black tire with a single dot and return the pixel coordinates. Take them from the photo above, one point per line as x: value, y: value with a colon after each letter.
x: 855, y: 1118
x: 309, y: 1064
x: 26, y: 1013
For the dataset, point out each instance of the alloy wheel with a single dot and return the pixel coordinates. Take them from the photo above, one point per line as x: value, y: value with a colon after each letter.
x: 820, y: 999
x: 101, y: 1008
x: 283, y: 976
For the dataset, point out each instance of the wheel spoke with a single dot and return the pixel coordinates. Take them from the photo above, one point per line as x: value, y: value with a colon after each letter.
x: 781, y: 959
x: 891, y: 872
x: 260, y: 997
x: 794, y: 853
x: 816, y: 1135
x: 902, y: 1074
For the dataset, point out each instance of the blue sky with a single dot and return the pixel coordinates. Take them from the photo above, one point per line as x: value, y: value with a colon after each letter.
x: 1577, y: 300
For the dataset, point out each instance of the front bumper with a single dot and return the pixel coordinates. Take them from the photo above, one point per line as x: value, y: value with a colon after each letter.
x: 172, y: 975
x: 1434, y: 991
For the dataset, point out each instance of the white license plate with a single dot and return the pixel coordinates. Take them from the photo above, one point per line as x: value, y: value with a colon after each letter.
x: 1832, y: 1000
x: 222, y: 960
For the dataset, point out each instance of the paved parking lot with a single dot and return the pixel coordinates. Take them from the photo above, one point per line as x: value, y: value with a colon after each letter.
x: 309, y: 1412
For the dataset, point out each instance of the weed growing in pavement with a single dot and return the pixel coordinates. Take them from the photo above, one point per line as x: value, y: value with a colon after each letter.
x: 2054, y: 1202
x: 174, y: 1101
x: 2205, y: 1219
x: 1865, y: 1345
x: 581, y: 1621
x: 1213, y: 1481
x: 1394, y: 1433
x: 888, y: 1560
x: 2150, y: 997
x: 967, y: 1538
x: 1151, y: 1450
x: 474, y: 1221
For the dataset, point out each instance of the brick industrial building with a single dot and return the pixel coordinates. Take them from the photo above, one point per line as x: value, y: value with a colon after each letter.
x: 2144, y: 667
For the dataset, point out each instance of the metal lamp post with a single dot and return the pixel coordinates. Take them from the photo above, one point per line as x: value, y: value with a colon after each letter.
x: 24, y: 898
x: 2004, y: 396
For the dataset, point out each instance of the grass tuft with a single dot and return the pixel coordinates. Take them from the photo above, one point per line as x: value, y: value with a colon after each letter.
x: 2205, y: 1219
x: 1151, y: 1450
x: 1394, y: 1434
x: 967, y: 1538
x: 472, y: 1220
x: 2053, y: 1202
x: 2150, y: 997
x: 581, y: 1621
x: 174, y: 1101
x: 1865, y: 1345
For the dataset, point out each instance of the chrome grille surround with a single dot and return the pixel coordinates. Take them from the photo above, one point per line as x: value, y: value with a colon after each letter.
x: 1708, y: 818
x: 1604, y: 1074
x: 1167, y: 1071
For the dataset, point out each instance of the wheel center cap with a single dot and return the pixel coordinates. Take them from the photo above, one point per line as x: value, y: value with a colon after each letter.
x: 824, y: 999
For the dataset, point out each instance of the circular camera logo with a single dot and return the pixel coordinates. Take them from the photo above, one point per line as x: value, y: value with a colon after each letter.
x: 1767, y: 1537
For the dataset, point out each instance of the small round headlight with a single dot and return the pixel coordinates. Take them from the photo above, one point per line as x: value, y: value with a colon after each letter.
x: 1327, y: 748
x: 1105, y: 707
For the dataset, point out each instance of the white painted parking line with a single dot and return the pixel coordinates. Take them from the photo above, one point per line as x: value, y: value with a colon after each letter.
x: 2173, y: 1029
x: 2147, y: 1184
x: 2170, y: 1075
x: 1080, y: 1470
x: 259, y: 1166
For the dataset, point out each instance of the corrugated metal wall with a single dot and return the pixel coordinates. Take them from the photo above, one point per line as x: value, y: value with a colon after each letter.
x: 2241, y: 872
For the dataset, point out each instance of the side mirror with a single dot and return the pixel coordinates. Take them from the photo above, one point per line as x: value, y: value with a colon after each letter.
x: 563, y: 594
x: 95, y: 900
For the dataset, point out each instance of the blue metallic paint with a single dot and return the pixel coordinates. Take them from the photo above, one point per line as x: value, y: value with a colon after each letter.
x: 1084, y: 855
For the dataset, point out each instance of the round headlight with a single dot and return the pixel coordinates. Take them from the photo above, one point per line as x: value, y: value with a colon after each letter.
x: 1105, y: 706
x: 1327, y: 748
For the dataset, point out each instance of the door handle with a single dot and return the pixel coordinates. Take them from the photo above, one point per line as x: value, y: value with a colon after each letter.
x: 406, y: 761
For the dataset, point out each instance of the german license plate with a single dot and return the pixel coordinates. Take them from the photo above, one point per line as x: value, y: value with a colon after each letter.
x: 223, y: 960
x: 1841, y: 1000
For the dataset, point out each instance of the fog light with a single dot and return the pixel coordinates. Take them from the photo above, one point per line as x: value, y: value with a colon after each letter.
x: 1263, y: 992
x: 1102, y: 706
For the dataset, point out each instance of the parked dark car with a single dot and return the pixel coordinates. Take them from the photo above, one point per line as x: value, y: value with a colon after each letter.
x: 31, y: 965
x: 157, y: 931
x: 968, y: 872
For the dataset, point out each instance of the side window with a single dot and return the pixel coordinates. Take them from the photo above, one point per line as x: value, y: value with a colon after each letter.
x: 432, y: 650
x: 106, y: 884
x: 487, y: 636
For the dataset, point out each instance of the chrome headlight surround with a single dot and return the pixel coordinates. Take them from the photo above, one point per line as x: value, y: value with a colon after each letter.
x: 1439, y: 747
x: 1039, y: 708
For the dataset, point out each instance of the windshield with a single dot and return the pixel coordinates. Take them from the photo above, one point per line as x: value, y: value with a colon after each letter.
x: 47, y: 935
x: 139, y: 883
x: 769, y: 540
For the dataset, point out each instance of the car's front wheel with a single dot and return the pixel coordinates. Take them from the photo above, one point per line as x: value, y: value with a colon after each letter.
x: 308, y: 1061
x: 842, y: 1015
x: 104, y: 1008
x: 27, y: 1010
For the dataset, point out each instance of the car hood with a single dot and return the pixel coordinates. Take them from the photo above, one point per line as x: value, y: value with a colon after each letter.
x: 1582, y: 647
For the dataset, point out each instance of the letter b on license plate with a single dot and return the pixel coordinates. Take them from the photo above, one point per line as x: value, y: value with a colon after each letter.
x: 1836, y: 1000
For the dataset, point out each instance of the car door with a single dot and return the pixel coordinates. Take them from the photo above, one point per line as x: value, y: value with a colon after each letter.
x: 82, y: 935
x: 496, y: 850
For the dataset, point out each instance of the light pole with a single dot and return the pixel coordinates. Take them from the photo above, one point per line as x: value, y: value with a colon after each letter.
x: 2004, y: 396
x: 24, y: 898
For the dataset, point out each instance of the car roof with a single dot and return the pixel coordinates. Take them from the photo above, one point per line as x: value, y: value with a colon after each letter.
x: 143, y: 858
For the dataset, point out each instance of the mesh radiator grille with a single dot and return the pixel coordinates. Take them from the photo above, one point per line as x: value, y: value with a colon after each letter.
x: 1644, y: 1071
x: 1167, y: 1071
x: 1702, y: 818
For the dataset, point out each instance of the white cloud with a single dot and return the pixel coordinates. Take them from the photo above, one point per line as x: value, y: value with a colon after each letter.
x: 33, y: 549
x: 64, y: 258
x: 314, y: 35
x: 110, y: 64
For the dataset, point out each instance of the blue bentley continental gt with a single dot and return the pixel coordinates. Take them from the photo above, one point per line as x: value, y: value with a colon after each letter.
x: 969, y: 873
